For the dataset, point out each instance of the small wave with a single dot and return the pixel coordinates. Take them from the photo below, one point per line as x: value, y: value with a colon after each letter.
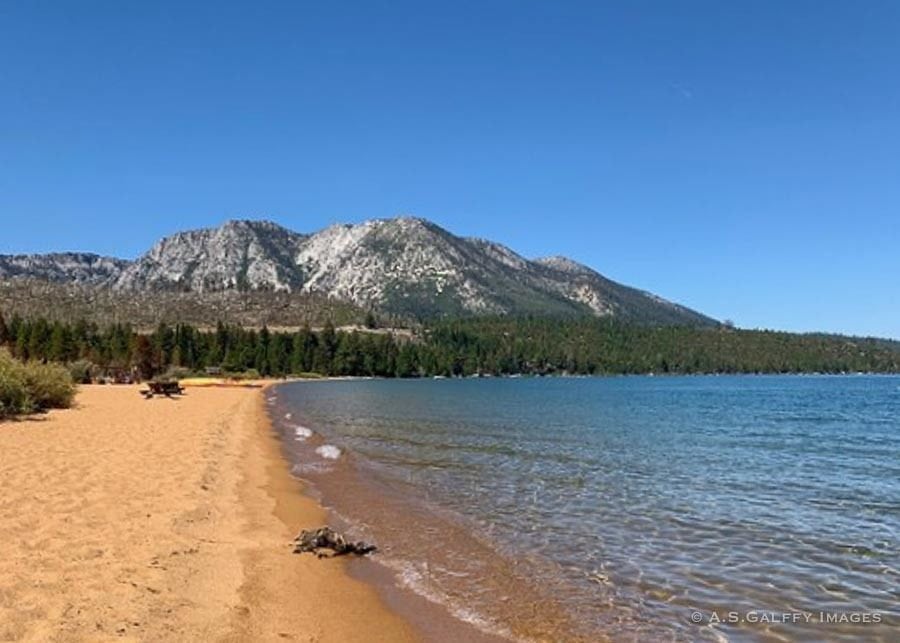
x: 329, y: 452
x: 271, y: 399
x: 310, y: 467
x: 415, y: 578
x: 287, y: 416
x: 301, y: 433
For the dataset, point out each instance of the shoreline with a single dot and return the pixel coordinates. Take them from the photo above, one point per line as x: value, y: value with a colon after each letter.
x: 366, y: 506
x: 294, y: 596
x: 429, y: 621
x: 586, y: 376
x: 133, y: 519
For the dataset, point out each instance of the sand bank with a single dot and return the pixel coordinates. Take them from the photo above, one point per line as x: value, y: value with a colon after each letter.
x: 165, y: 519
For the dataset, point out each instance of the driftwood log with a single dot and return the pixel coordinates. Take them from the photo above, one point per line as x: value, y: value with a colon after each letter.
x: 316, y: 541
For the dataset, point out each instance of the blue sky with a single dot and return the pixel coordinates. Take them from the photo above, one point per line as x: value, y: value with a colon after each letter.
x: 742, y: 158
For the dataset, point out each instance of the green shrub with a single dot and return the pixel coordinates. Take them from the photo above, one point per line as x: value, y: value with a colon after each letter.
x: 26, y: 388
x: 13, y: 388
x: 49, y: 386
x: 82, y: 371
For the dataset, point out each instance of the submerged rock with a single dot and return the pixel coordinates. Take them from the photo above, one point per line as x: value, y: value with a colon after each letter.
x: 315, y: 540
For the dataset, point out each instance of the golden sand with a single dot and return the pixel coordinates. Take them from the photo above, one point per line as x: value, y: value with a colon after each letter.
x: 165, y: 519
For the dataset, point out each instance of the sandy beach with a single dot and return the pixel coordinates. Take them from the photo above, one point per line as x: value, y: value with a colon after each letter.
x: 166, y: 519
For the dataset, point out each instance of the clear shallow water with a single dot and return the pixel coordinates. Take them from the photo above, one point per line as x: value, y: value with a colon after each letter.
x: 572, y: 507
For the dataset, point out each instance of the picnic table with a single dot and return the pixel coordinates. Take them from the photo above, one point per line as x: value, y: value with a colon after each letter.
x: 162, y: 388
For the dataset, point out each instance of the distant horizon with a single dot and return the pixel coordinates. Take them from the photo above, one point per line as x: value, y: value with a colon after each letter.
x: 739, y: 158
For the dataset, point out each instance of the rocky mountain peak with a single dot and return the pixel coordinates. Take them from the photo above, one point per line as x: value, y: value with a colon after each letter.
x: 238, y: 255
x: 405, y: 265
x: 564, y: 264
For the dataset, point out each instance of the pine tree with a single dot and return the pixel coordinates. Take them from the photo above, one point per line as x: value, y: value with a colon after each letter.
x: 144, y: 356
x: 324, y: 360
x: 279, y: 354
x: 22, y: 334
x: 118, y: 349
x: 59, y: 347
x: 164, y: 343
x: 39, y: 339
x: 407, y: 361
x: 13, y: 329
x: 261, y: 357
x: 4, y: 330
x: 304, y: 350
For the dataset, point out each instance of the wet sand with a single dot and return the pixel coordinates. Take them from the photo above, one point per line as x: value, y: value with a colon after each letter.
x: 166, y: 519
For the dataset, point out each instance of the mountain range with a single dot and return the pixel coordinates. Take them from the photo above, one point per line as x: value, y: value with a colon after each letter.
x: 407, y: 267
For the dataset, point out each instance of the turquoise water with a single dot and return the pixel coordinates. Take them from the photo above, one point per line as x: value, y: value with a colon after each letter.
x: 770, y: 504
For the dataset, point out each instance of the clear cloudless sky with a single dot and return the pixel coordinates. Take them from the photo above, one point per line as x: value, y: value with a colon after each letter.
x: 742, y: 158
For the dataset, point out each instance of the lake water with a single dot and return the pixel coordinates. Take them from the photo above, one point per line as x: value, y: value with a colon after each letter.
x: 766, y: 508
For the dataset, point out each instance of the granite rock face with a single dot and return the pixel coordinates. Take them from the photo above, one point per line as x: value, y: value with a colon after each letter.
x: 404, y: 266
x: 74, y: 267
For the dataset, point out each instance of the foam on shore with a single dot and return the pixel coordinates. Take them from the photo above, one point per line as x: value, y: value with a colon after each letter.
x: 329, y: 451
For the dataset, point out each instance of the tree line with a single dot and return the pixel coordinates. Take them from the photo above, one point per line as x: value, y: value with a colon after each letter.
x: 230, y: 348
x: 603, y: 346
x: 462, y: 347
